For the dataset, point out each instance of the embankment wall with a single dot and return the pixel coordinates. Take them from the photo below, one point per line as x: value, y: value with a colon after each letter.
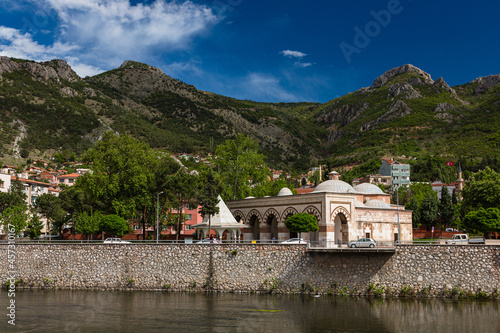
x: 438, y: 270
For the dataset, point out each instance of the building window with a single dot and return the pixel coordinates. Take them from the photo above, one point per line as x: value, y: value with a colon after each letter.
x: 137, y: 227
x: 61, y: 181
x: 71, y: 180
x: 188, y: 216
x: 188, y: 226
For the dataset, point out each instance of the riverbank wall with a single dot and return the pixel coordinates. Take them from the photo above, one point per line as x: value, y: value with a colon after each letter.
x: 412, y: 270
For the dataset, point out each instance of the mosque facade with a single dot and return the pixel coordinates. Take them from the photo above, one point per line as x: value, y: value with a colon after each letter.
x: 344, y: 213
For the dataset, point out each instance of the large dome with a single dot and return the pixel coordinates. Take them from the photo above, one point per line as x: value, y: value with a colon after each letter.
x: 375, y: 203
x: 284, y: 191
x: 368, y: 188
x: 334, y: 186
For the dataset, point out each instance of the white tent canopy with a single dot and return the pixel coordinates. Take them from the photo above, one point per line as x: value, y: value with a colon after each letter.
x: 220, y: 222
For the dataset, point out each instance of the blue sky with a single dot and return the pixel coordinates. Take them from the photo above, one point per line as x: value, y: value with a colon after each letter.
x: 269, y: 51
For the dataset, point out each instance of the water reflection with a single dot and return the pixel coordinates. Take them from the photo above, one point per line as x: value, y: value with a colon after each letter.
x: 91, y: 311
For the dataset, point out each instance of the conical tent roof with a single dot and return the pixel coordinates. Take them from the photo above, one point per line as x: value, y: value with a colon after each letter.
x: 223, y: 218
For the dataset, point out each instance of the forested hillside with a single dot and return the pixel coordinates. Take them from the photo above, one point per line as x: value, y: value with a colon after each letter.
x: 46, y: 108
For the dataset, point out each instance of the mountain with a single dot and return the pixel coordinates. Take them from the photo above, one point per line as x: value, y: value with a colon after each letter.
x: 47, y: 108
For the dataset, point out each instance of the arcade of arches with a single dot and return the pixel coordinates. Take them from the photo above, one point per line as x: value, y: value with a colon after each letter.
x: 344, y: 214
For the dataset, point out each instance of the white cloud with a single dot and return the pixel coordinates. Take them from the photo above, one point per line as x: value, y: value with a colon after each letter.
x: 18, y: 45
x: 302, y: 64
x: 103, y: 33
x: 293, y: 54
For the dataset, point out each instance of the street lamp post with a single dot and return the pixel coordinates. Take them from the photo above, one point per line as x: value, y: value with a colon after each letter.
x: 397, y: 206
x: 157, y: 216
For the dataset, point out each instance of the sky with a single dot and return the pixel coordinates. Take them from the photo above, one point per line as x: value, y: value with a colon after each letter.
x: 266, y: 51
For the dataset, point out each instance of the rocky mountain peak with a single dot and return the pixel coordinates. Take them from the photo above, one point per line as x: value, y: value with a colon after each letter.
x: 139, y: 65
x: 7, y: 65
x: 63, y: 69
x: 392, y: 73
x: 485, y: 83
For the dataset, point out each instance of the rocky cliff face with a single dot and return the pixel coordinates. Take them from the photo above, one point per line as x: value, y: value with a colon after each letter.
x: 60, y: 110
x: 392, y: 95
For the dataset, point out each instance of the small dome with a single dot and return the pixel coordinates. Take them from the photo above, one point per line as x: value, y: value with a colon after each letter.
x: 334, y: 186
x: 284, y: 191
x: 375, y: 203
x: 358, y: 203
x: 368, y: 188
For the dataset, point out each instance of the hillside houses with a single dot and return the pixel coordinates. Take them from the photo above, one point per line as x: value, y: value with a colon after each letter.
x: 36, y: 181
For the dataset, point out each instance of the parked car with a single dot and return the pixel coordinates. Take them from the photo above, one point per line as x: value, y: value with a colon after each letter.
x: 295, y: 241
x: 462, y: 239
x: 363, y: 242
x: 209, y: 241
x: 115, y: 241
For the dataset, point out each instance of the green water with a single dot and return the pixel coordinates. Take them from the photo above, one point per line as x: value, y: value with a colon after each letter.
x: 92, y: 311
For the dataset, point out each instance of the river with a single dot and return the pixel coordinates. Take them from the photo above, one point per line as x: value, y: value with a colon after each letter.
x: 113, y: 311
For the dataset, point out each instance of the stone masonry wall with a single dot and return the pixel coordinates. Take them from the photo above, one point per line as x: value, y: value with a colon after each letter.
x: 419, y: 270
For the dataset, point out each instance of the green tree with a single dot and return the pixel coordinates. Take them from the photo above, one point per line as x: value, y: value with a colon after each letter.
x: 272, y: 188
x: 88, y: 224
x: 429, y: 210
x: 483, y: 220
x: 49, y: 206
x: 209, y: 197
x: 414, y: 206
x: 35, y: 226
x: 302, y: 222
x: 482, y: 191
x: 182, y: 190
x: 121, y: 177
x: 114, y: 225
x: 240, y: 167
x: 16, y: 217
x: 446, y: 211
x: 14, y: 196
x: 166, y: 167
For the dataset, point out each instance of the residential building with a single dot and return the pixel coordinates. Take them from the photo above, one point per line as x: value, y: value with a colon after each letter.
x: 68, y: 180
x: 399, y: 173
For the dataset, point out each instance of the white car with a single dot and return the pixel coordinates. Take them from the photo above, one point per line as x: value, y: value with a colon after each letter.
x: 209, y: 241
x: 295, y: 241
x: 363, y: 242
x: 115, y: 241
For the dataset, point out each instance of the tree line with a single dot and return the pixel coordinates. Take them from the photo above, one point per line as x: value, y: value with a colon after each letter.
x: 131, y: 182
x: 477, y: 210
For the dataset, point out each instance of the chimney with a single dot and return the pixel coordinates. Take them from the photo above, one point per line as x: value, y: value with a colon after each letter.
x: 334, y: 175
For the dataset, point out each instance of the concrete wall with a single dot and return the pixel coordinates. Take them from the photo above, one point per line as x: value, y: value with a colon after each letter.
x: 255, y: 268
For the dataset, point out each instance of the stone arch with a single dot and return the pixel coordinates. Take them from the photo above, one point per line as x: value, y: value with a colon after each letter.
x: 239, y: 216
x: 270, y: 220
x: 269, y: 212
x: 340, y: 218
x: 289, y: 212
x: 343, y: 211
x: 312, y: 210
x: 254, y: 219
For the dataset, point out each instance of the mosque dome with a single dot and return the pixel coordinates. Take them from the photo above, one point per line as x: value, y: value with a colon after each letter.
x: 284, y: 191
x: 334, y: 186
x: 375, y: 203
x: 368, y: 188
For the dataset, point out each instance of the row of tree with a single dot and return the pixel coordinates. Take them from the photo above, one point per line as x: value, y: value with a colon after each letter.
x: 478, y: 211
x: 131, y: 181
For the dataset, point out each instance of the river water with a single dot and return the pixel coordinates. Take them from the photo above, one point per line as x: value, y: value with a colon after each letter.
x: 106, y: 311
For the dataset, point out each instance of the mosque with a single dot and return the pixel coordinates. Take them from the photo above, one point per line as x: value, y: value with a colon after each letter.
x: 344, y: 213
